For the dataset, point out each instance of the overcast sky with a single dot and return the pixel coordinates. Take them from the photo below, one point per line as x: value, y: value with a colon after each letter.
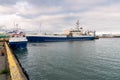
x: 58, y: 15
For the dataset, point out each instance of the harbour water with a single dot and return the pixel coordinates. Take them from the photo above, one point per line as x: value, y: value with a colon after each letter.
x: 78, y: 60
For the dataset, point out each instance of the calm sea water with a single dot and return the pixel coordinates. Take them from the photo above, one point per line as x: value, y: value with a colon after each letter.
x: 80, y: 60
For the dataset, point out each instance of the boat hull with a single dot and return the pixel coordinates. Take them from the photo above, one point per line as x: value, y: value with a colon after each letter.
x: 57, y: 39
x: 18, y: 45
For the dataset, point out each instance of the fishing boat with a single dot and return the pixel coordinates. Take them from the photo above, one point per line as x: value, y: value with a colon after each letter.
x: 77, y: 34
x: 17, y: 40
x: 4, y: 36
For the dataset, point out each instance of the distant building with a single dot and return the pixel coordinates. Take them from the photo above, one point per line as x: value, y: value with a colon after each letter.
x: 116, y: 35
x: 107, y: 36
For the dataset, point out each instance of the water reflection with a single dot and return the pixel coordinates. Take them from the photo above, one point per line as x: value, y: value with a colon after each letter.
x: 36, y: 44
x: 21, y: 53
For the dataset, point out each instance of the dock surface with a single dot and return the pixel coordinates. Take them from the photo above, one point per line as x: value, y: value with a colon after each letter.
x: 3, y: 63
x: 2, y: 67
x: 10, y: 68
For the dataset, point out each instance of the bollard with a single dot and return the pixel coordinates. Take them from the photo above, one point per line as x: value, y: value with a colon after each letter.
x: 2, y: 52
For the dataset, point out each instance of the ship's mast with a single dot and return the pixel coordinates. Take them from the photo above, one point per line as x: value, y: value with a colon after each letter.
x: 77, y: 25
x: 40, y: 28
x: 16, y: 26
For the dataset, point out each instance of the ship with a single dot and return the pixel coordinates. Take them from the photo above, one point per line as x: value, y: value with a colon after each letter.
x: 17, y: 39
x: 3, y: 36
x: 77, y: 34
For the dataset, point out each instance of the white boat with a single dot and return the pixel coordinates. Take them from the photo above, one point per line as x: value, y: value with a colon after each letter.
x: 17, y: 40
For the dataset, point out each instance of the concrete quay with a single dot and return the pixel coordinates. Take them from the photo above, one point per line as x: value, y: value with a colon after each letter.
x: 4, y: 73
x: 10, y: 67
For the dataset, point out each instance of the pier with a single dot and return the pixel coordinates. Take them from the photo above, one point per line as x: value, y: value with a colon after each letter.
x: 10, y: 67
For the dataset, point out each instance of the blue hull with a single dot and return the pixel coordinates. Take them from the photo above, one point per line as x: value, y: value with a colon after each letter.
x: 18, y: 45
x: 56, y: 39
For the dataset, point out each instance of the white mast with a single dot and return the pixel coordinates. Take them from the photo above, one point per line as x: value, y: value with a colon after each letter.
x: 77, y: 25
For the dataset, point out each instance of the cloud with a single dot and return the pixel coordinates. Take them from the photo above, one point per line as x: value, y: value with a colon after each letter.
x: 7, y: 10
x: 36, y: 11
x: 27, y: 10
x: 100, y: 18
x: 46, y: 3
x: 103, y: 18
x: 8, y: 2
x: 81, y: 5
x: 57, y: 15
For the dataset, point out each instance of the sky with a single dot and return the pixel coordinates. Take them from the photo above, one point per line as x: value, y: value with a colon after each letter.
x: 59, y: 15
